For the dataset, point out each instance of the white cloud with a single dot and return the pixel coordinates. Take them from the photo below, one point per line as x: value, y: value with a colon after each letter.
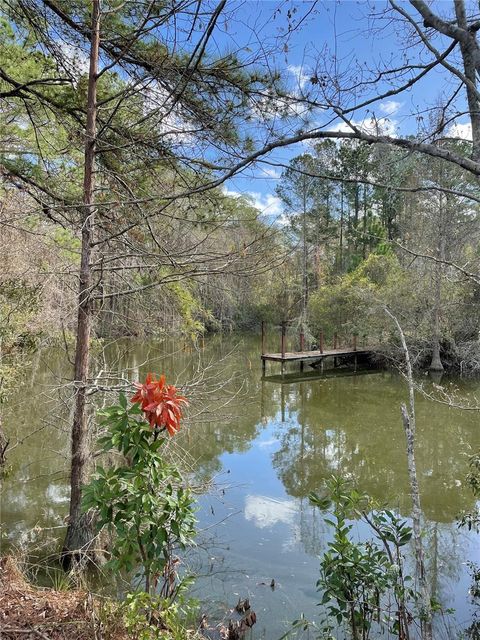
x: 266, y: 512
x: 267, y: 204
x: 389, y: 107
x: 460, y: 130
x: 272, y: 105
x: 230, y: 193
x: 271, y: 173
x: 371, y: 125
x: 343, y: 126
x: 74, y: 59
x: 299, y: 75
x: 157, y: 102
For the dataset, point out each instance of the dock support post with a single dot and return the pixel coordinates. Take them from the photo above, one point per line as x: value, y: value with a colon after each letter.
x: 321, y: 342
x: 302, y: 347
x: 354, y: 341
x: 335, y: 340
x: 283, y: 340
x: 264, y: 362
x: 262, y: 401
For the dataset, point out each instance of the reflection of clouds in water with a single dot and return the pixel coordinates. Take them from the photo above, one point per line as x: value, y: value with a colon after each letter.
x: 290, y: 543
x: 265, y: 512
x: 335, y: 449
x: 58, y: 493
x: 267, y: 443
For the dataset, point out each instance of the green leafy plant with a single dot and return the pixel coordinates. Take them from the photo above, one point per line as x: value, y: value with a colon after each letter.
x: 363, y: 582
x: 151, y: 617
x: 143, y: 501
x: 471, y: 519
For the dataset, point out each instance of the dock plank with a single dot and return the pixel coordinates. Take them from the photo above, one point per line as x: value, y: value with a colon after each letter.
x: 295, y: 356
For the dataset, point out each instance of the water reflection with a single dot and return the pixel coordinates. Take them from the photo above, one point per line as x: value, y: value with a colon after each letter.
x: 267, y: 447
x: 266, y: 512
x: 353, y: 427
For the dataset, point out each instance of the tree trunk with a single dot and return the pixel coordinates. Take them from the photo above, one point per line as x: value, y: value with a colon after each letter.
x: 327, y: 213
x: 408, y: 417
x: 436, y: 363
x: 341, y: 228
x: 364, y: 221
x: 303, y: 323
x: 79, y: 533
x: 3, y: 446
x: 470, y: 56
x: 356, y: 214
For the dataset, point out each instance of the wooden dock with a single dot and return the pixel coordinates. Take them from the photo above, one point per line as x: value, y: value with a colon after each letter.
x: 314, y: 357
x: 305, y: 356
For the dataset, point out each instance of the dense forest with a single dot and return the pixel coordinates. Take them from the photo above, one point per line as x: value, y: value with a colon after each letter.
x: 125, y: 130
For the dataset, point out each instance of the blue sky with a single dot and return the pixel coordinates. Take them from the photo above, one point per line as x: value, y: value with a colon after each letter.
x: 359, y: 38
x: 348, y: 36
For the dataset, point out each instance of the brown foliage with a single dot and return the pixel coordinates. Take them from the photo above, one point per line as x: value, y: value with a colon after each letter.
x: 28, y: 612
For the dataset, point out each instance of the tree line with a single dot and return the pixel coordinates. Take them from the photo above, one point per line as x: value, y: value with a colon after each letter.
x: 121, y: 122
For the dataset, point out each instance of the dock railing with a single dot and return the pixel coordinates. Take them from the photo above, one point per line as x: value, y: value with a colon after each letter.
x: 305, y: 353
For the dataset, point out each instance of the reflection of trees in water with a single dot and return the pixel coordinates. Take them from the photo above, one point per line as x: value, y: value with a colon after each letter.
x: 352, y: 426
x: 347, y: 425
x: 35, y: 491
x: 223, y: 388
x: 312, y: 528
x: 207, y: 442
x: 443, y: 545
x: 354, y: 430
x: 39, y: 464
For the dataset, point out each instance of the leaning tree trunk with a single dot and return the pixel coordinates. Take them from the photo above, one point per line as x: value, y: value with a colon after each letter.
x: 409, y: 425
x: 79, y: 534
x: 408, y: 417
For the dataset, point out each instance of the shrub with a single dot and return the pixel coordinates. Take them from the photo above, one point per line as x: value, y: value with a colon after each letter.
x: 143, y: 502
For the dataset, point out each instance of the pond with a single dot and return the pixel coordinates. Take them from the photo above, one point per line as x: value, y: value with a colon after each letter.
x: 260, y: 447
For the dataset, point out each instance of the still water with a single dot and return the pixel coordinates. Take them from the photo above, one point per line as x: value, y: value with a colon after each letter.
x: 260, y: 447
